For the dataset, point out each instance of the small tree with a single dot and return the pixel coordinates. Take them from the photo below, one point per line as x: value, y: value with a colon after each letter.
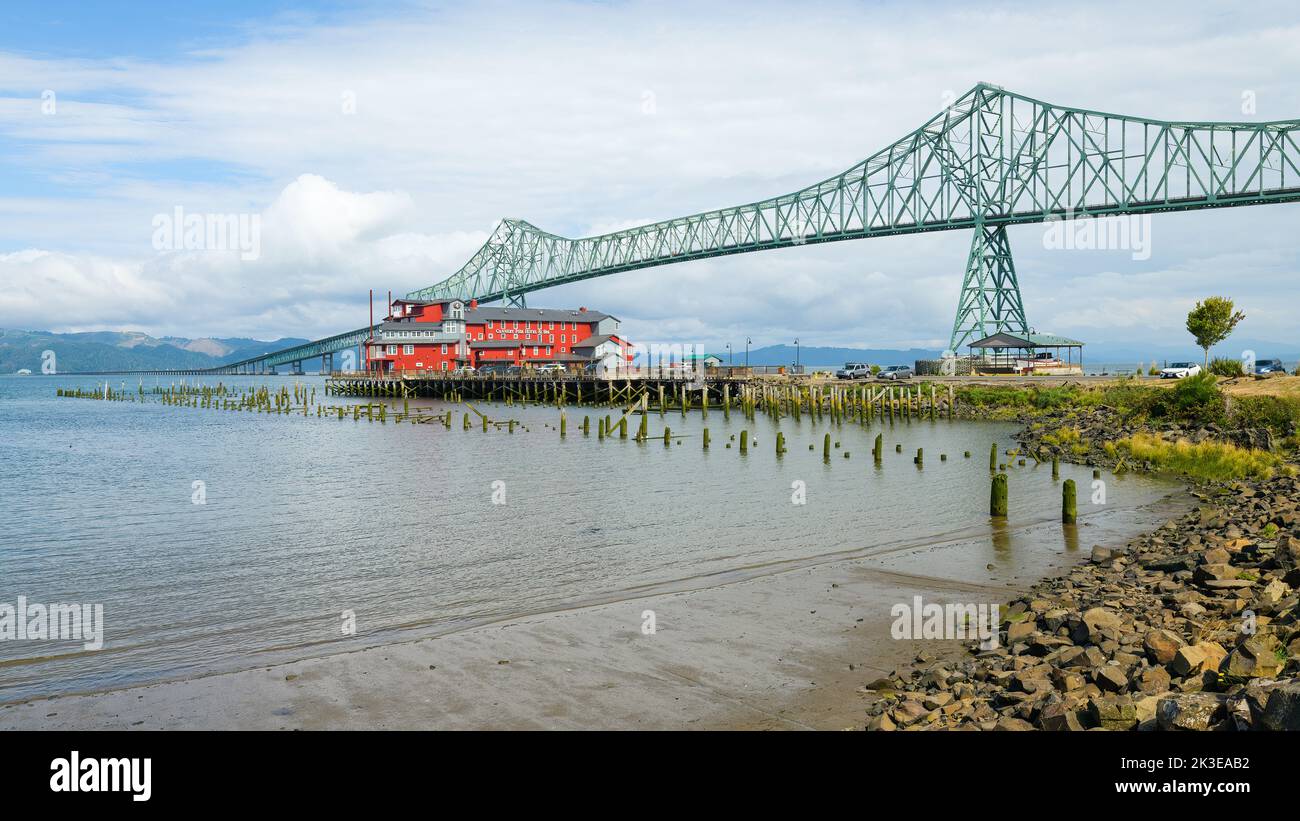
x: 1211, y: 321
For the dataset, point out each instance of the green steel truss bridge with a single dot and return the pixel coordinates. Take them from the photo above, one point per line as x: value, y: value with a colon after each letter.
x: 992, y: 159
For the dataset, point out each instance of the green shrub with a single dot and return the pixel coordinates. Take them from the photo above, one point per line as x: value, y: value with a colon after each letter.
x: 1227, y: 367
x: 1277, y: 413
x: 1195, y: 400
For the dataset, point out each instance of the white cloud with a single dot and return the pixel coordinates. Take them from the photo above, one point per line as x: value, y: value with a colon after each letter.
x: 464, y: 115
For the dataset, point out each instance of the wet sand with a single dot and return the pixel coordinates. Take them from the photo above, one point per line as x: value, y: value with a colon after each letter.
x: 788, y: 648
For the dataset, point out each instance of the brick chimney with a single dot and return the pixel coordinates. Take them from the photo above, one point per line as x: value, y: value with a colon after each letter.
x: 473, y: 304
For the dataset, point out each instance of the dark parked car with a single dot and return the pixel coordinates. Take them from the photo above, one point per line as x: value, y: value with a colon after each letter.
x: 1263, y: 366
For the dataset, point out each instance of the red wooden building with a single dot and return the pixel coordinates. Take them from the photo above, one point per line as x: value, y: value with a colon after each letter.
x: 446, y: 334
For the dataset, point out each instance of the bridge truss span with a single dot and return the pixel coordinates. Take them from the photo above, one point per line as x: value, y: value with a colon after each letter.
x: 991, y: 159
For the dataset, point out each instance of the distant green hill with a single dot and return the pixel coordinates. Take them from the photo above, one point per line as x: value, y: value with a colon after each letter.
x: 113, y: 350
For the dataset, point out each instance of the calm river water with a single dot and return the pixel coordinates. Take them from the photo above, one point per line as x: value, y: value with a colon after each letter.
x: 417, y: 530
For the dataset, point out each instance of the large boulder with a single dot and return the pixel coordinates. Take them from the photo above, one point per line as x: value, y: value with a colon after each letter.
x: 1153, y: 680
x: 1059, y: 717
x: 1099, y: 619
x: 1282, y: 710
x: 1189, y: 711
x: 1287, y: 554
x: 1256, y: 657
x: 1162, y: 645
x: 1254, y: 438
x: 1197, y: 658
x: 1113, y: 713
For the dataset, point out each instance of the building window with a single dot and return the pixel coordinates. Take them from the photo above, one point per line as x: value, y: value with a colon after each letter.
x: 563, y: 337
x: 548, y: 350
x: 444, y: 364
x: 516, y: 324
x: 392, y: 350
x: 408, y: 349
x: 534, y: 350
x: 444, y: 350
x: 480, y: 336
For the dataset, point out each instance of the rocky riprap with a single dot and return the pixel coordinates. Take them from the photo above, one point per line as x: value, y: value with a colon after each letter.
x: 1195, y: 626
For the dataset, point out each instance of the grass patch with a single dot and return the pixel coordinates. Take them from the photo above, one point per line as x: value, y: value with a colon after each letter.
x: 1062, y: 436
x: 1206, y: 460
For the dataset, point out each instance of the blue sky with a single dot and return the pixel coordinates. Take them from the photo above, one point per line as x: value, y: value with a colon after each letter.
x: 379, y: 143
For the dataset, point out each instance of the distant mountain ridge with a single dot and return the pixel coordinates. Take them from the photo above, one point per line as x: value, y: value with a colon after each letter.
x: 815, y: 356
x: 129, y: 350
x: 134, y: 350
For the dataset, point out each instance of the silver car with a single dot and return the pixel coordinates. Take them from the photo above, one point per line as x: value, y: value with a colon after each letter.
x: 854, y: 370
x: 895, y: 372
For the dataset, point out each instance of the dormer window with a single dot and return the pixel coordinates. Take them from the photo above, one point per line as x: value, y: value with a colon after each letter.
x: 458, y: 310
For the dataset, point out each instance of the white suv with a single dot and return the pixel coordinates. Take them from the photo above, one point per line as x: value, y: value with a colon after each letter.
x: 854, y: 370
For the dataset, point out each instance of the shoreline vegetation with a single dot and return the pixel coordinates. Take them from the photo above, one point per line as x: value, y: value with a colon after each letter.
x: 1195, y: 626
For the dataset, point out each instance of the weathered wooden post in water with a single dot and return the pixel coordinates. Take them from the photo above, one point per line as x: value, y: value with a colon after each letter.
x: 998, y: 496
x: 826, y: 447
x: 993, y: 456
x: 744, y: 441
x: 780, y: 443
x: 1069, y: 504
x: 1056, y: 468
x: 564, y: 425
x: 706, y: 439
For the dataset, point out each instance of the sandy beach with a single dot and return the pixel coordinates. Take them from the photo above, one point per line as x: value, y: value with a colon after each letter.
x: 780, y: 647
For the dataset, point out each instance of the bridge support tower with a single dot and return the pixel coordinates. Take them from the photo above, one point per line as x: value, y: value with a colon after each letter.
x: 990, y: 294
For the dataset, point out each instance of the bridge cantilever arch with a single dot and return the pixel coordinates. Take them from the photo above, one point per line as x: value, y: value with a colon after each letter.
x: 992, y: 159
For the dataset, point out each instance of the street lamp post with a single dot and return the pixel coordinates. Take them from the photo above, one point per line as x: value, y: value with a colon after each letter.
x: 796, y: 356
x: 747, y: 341
x: 728, y: 354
